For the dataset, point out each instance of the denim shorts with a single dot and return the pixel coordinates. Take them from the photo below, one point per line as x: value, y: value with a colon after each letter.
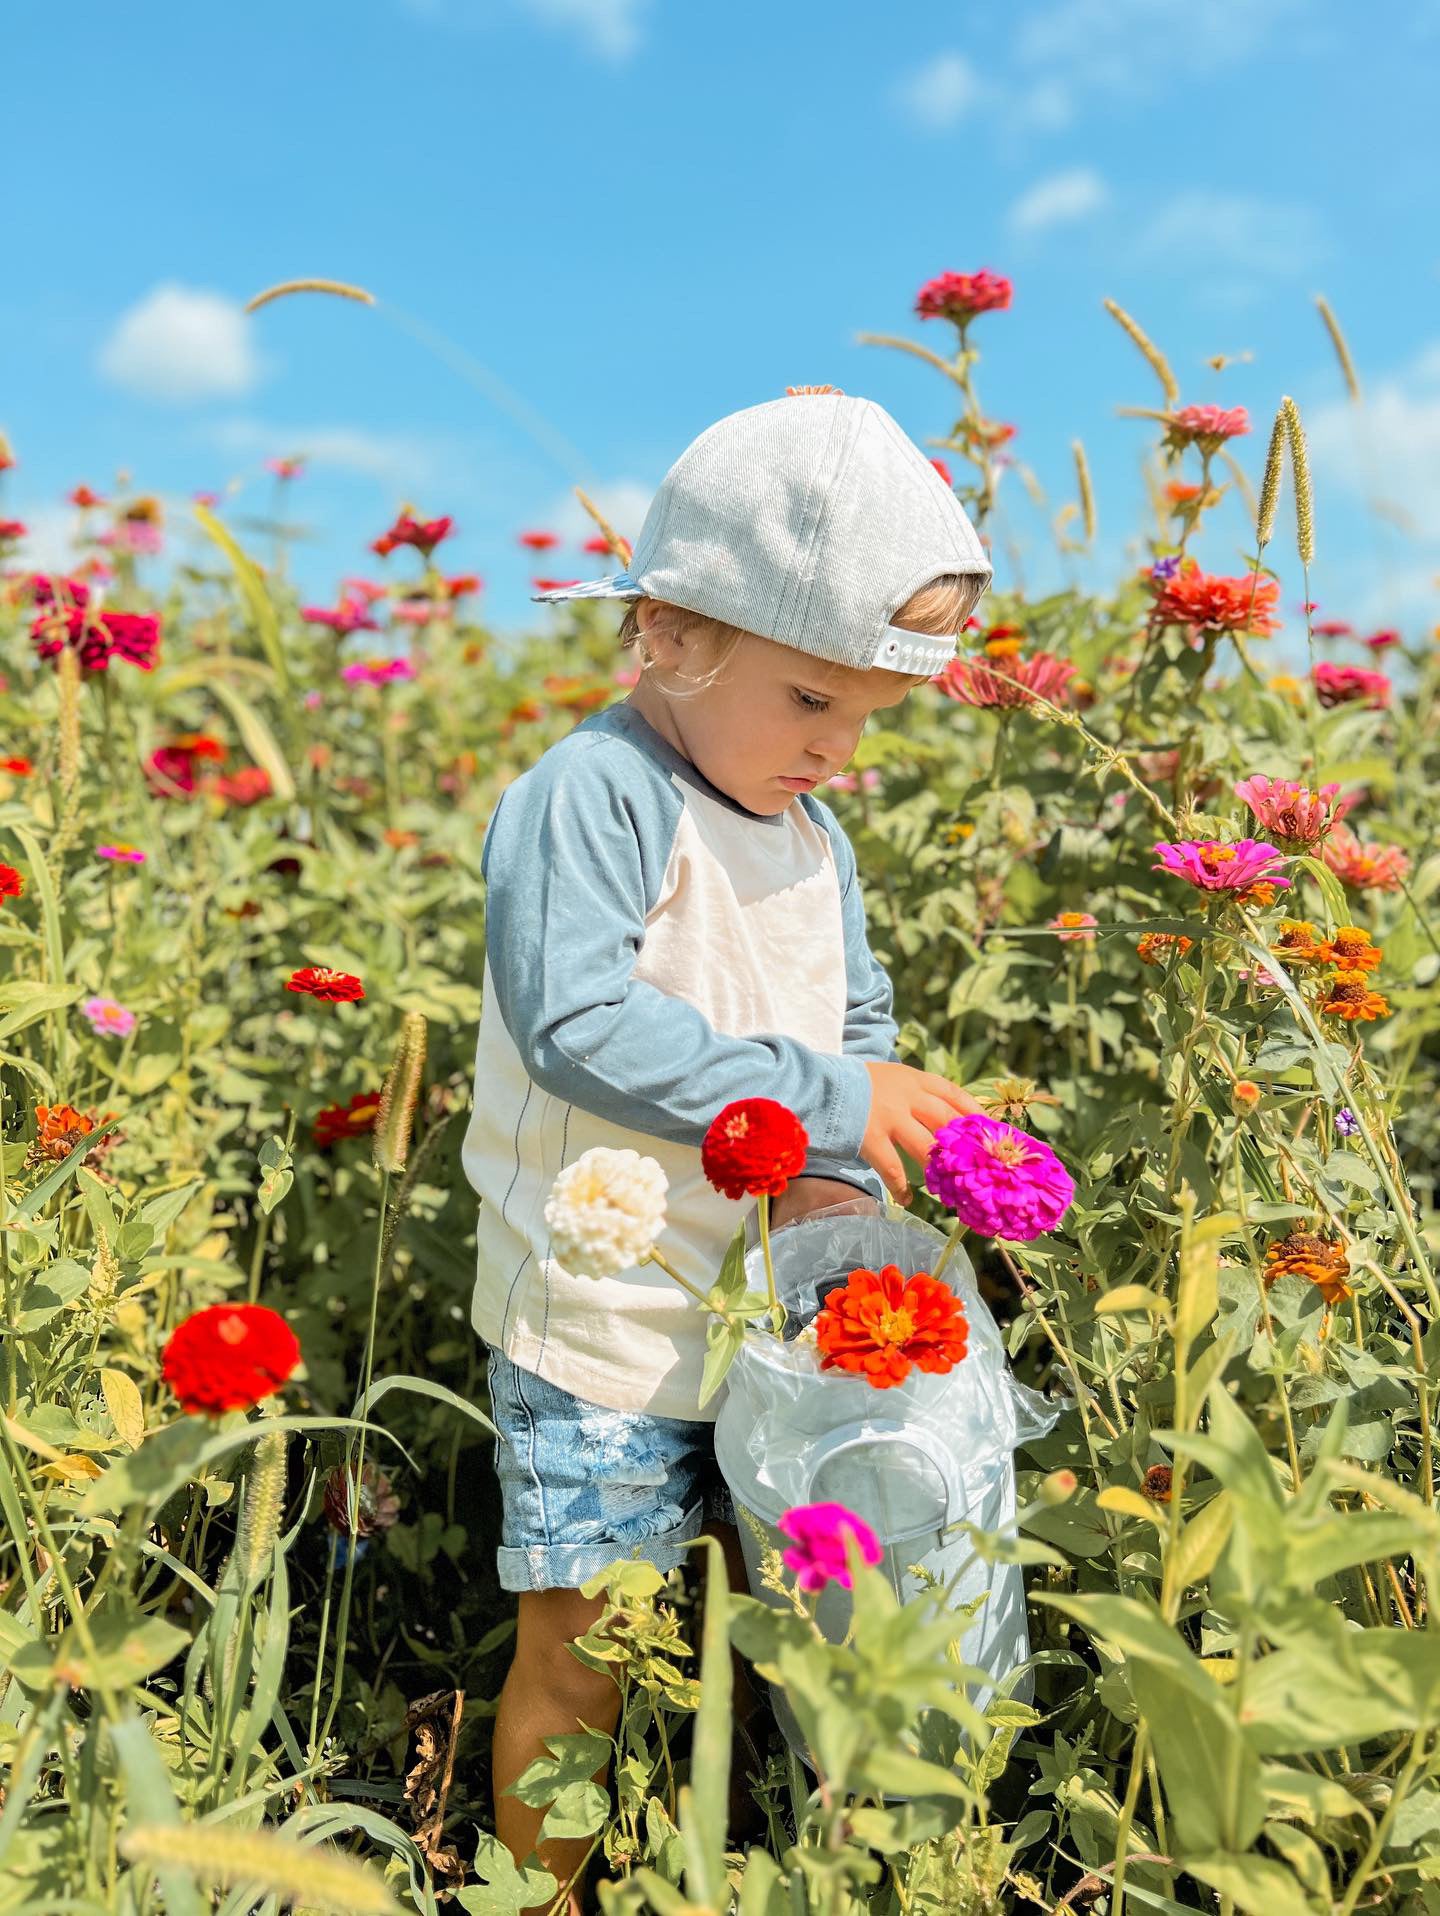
x: 582, y: 1485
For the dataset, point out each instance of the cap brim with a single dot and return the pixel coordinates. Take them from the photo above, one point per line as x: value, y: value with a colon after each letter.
x: 615, y: 585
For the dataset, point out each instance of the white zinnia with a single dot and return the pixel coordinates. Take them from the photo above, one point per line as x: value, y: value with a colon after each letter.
x: 605, y: 1211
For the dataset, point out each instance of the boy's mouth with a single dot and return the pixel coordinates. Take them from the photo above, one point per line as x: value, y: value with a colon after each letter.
x: 799, y: 784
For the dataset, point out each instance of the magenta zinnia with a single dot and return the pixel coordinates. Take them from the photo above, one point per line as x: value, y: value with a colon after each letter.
x: 817, y: 1555
x: 960, y: 296
x: 1210, y: 866
x: 1349, y: 684
x: 996, y: 1179
x: 1206, y: 426
x: 1292, y: 813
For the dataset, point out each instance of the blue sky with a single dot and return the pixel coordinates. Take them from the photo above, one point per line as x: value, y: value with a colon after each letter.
x: 629, y: 217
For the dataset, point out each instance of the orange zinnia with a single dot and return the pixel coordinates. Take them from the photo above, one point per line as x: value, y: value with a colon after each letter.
x: 1298, y: 943
x: 1308, y: 1254
x: 1351, y: 998
x: 881, y: 1324
x: 1154, y: 944
x: 1351, y: 950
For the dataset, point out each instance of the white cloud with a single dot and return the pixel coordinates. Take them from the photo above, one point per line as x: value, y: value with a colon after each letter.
x: 396, y: 459
x: 610, y: 28
x: 1122, y: 46
x: 49, y: 530
x: 1256, y: 237
x: 182, y: 343
x: 940, y: 93
x: 1059, y: 200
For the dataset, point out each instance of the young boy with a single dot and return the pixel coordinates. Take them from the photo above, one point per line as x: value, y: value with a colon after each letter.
x: 673, y: 922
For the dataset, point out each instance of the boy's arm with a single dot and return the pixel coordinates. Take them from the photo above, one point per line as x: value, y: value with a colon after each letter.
x: 573, y: 864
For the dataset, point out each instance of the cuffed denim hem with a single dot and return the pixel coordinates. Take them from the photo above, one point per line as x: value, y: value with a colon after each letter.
x: 565, y: 1566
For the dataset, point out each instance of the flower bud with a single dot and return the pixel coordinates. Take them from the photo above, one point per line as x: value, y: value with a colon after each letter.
x: 1059, y: 1487
x: 1244, y: 1096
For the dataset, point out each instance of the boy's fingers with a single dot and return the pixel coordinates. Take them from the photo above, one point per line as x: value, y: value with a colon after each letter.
x: 952, y: 1095
x: 913, y: 1137
x: 892, y: 1172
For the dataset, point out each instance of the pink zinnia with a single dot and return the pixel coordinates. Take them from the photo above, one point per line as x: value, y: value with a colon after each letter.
x: 996, y: 1179
x: 126, y: 854
x: 1348, y: 684
x: 975, y: 683
x: 1211, y: 866
x: 817, y: 1555
x: 109, y: 1018
x: 851, y: 782
x: 350, y: 615
x: 1074, y: 927
x: 415, y: 611
x: 1332, y: 628
x: 285, y: 468
x: 1208, y: 424
x: 1364, y: 867
x: 960, y: 296
x: 376, y: 671
x: 1382, y: 641
x: 1298, y: 817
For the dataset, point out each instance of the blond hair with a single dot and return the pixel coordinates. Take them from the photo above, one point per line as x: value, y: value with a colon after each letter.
x: 937, y: 609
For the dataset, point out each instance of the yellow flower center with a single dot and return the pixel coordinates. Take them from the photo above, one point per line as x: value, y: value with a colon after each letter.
x: 894, y: 1327
x: 1214, y: 855
x: 231, y: 1330
x: 1008, y: 1150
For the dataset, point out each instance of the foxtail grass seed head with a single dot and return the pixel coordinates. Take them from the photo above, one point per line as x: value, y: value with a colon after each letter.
x: 299, y: 1874
x: 263, y: 1507
x: 1270, y: 484
x: 621, y: 547
x: 395, y: 1119
x: 1342, y: 351
x: 1153, y: 356
x: 104, y: 1282
x: 1300, y: 472
x: 340, y: 288
x: 1087, y: 491
x: 68, y: 723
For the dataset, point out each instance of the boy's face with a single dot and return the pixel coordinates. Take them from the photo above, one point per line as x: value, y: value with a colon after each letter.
x: 775, y: 722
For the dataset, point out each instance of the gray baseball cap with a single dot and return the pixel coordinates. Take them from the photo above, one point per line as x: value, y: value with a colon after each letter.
x: 809, y: 520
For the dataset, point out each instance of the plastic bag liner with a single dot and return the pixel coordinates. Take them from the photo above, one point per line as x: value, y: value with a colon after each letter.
x: 912, y: 1460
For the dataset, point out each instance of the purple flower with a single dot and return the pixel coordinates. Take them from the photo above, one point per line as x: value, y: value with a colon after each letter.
x: 1345, y: 1122
x: 1165, y: 568
x: 998, y: 1180
x: 817, y: 1555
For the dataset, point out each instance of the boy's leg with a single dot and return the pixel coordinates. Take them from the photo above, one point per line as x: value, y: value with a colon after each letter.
x: 548, y: 1692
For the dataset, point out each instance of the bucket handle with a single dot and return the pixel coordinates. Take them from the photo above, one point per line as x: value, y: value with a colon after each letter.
x: 862, y: 1436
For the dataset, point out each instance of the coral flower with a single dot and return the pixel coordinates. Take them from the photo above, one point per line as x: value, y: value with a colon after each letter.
x: 538, y: 541
x: 1332, y: 628
x: 1308, y: 1254
x: 598, y: 545
x: 1349, y: 685
x: 1297, y: 817
x: 1206, y: 426
x: 175, y: 766
x: 753, y: 1148
x: 17, y: 767
x: 998, y: 1180
x: 960, y: 296
x: 285, y: 468
x: 59, y: 1129
x: 1007, y: 684
x: 108, y: 1018
x: 1364, y: 867
x: 83, y: 497
x: 11, y: 529
x: 12, y: 885
x: 552, y: 585
x: 320, y: 981
x: 1153, y: 945
x: 229, y: 1357
x: 944, y: 472
x: 353, y: 1120
x: 245, y: 787
x: 880, y: 1325
x: 1211, y: 866
x: 1206, y: 602
x: 1350, y: 997
x: 423, y: 534
x: 122, y: 854
x: 1074, y: 927
x: 1351, y: 950
x: 817, y: 1555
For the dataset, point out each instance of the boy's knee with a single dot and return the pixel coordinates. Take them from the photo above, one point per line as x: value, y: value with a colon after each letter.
x: 549, y: 1621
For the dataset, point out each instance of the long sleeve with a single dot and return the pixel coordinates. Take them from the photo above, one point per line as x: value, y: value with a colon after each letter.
x: 574, y: 861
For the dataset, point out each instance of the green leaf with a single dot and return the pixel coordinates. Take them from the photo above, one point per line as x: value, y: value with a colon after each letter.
x: 703, y: 1810
x: 1254, y: 1884
x: 1331, y: 890
x: 32, y: 1001
x: 256, y: 596
x: 1132, y: 1297
x: 1210, y: 1772
x: 259, y: 739
x: 124, y: 1649
x: 66, y: 1169
x: 506, y: 1890
x: 723, y: 1338
x: 423, y: 1387
x: 46, y: 1296
x: 897, y: 1773
x: 578, y: 1810
x: 573, y: 1759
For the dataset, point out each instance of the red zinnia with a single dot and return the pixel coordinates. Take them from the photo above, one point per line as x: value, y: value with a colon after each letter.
x: 83, y: 497
x: 960, y: 296
x: 753, y: 1148
x: 11, y: 529
x: 598, y: 544
x: 11, y: 883
x: 319, y: 981
x: 16, y: 767
x: 351, y: 1120
x: 423, y: 534
x: 882, y: 1324
x: 538, y: 541
x: 245, y: 787
x: 552, y: 585
x: 229, y: 1356
x: 943, y: 470
x: 173, y: 766
x: 1208, y: 603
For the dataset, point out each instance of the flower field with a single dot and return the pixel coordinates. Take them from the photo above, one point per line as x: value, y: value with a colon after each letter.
x: 1156, y: 874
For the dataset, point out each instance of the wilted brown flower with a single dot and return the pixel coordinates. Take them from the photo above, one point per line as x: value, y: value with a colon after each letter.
x: 1156, y: 1483
x: 1011, y: 1098
x: 378, y: 1506
x: 1308, y: 1254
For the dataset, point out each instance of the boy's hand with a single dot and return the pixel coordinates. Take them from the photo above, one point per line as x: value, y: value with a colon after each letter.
x: 907, y: 1108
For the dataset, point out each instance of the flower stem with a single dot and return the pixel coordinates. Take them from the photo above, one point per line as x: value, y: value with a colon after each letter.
x: 777, y: 1309
x: 654, y: 1256
x: 951, y: 1243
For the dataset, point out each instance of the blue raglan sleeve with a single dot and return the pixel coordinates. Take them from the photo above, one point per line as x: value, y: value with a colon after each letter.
x: 870, y: 1028
x: 573, y: 860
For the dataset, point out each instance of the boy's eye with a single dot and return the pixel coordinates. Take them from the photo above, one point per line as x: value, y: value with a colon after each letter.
x: 810, y: 702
